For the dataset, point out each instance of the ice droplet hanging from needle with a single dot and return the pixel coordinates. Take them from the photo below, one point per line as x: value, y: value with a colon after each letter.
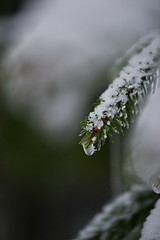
x: 90, y: 150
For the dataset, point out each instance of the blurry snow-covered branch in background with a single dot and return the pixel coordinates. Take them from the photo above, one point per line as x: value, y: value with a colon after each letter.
x: 152, y: 224
x: 122, y: 218
x: 145, y: 144
x: 59, y: 47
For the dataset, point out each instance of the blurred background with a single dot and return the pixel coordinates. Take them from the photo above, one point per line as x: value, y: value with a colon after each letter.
x: 57, y: 56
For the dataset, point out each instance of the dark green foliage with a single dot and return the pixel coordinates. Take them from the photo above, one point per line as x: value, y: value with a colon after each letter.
x: 118, y: 219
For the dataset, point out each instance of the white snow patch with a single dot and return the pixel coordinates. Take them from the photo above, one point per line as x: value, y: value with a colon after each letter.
x: 151, y: 229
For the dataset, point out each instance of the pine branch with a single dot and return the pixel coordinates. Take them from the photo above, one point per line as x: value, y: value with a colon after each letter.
x: 124, y: 98
x: 151, y: 227
x: 118, y: 219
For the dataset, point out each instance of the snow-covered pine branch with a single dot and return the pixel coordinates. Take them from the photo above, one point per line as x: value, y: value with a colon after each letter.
x: 118, y: 219
x: 124, y: 98
x: 152, y: 225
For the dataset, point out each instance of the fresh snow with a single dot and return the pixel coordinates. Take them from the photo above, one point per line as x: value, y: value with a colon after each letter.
x: 151, y: 229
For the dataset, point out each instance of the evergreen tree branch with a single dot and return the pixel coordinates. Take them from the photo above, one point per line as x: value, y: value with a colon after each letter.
x: 119, y: 218
x: 124, y: 98
x: 151, y: 227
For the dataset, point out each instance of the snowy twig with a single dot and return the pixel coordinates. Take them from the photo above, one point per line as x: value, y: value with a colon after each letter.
x: 124, y: 97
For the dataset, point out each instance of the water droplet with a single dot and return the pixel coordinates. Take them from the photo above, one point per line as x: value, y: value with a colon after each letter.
x: 90, y: 150
x: 155, y: 182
